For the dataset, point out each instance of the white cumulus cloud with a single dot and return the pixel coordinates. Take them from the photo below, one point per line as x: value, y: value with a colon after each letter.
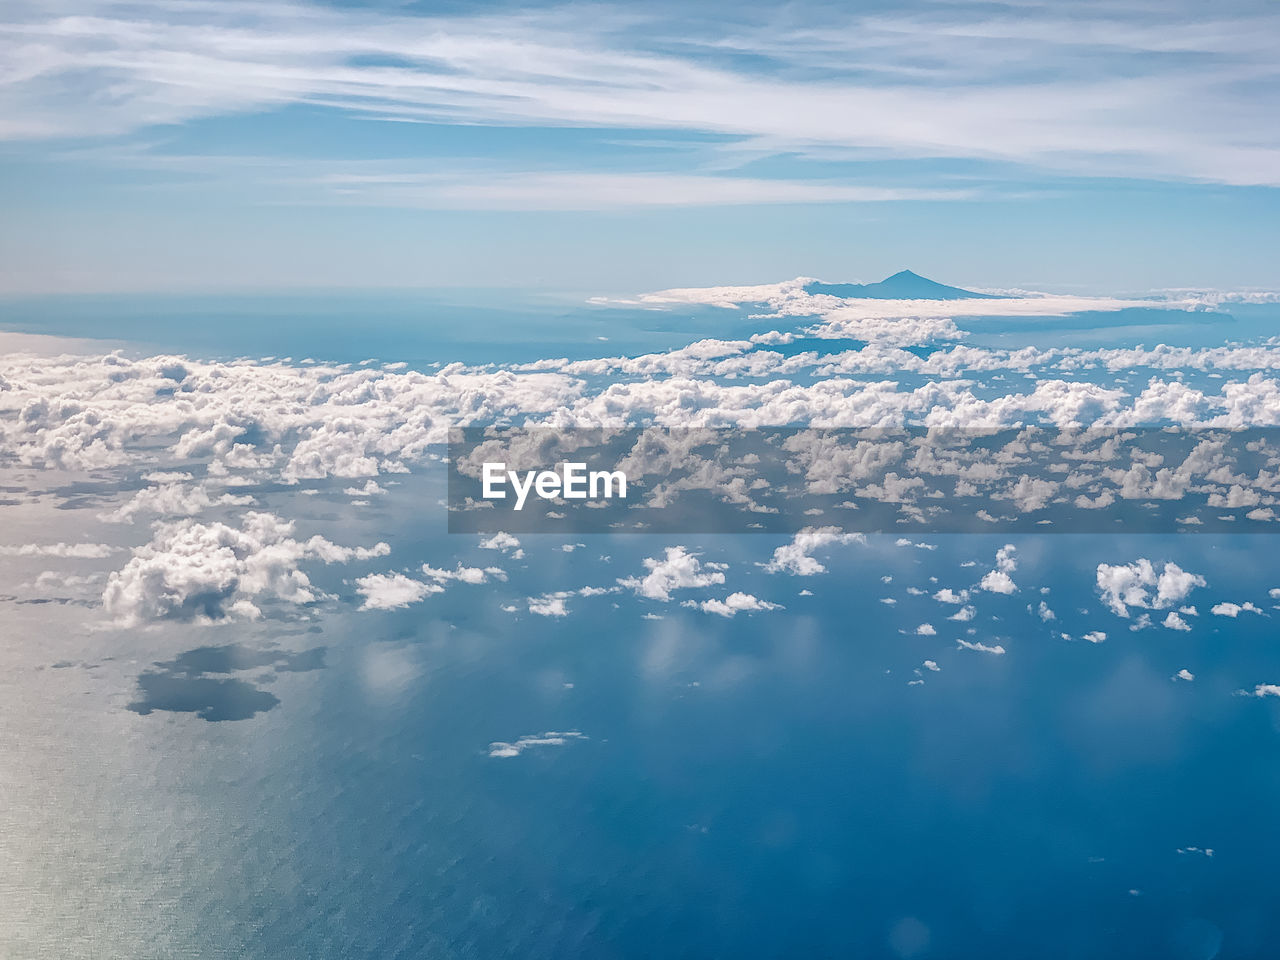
x: 1137, y: 584
x: 678, y: 569
x: 211, y: 572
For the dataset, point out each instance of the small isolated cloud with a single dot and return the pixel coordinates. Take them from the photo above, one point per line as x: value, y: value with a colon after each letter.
x: 926, y: 630
x: 1233, y: 610
x: 678, y: 569
x: 932, y: 665
x: 464, y: 574
x: 1095, y: 636
x: 391, y: 591
x: 505, y: 542
x: 994, y: 649
x: 1183, y: 674
x: 964, y: 614
x: 797, y: 558
x: 999, y: 579
x: 550, y: 604
x: 1137, y: 584
x: 947, y: 595
x: 1266, y: 690
x: 736, y: 603
x: 1006, y: 562
x: 919, y: 545
x: 552, y: 738
x: 1175, y: 622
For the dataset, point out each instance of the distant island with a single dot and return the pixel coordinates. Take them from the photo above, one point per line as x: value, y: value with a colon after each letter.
x: 903, y: 285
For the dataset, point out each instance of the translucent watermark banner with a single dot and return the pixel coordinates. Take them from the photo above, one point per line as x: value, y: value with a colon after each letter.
x: 904, y: 481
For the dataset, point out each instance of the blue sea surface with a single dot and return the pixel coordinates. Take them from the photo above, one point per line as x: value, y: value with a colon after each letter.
x: 414, y: 327
x: 761, y: 787
x: 798, y: 784
x: 521, y: 326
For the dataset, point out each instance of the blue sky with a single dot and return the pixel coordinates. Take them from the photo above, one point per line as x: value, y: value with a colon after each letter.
x: 216, y: 146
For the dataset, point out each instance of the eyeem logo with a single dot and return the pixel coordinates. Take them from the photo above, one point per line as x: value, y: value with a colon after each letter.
x: 574, y: 482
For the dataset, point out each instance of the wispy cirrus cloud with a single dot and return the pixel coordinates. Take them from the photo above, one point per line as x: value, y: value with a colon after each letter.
x: 1148, y: 91
x: 469, y: 190
x: 487, y: 183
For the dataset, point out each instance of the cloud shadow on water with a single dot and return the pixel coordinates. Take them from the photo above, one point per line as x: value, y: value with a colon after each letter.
x: 201, y: 681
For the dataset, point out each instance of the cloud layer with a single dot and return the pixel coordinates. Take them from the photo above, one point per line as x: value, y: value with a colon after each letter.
x: 1152, y: 91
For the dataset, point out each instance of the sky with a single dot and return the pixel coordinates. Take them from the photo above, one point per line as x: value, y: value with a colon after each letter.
x: 1090, y: 147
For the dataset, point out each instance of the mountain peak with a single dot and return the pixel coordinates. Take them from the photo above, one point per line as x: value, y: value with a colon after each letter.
x: 903, y: 285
